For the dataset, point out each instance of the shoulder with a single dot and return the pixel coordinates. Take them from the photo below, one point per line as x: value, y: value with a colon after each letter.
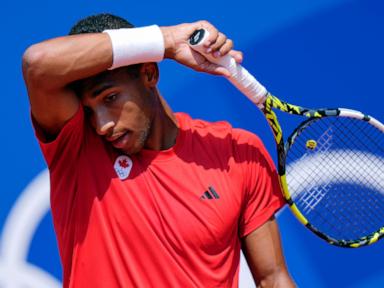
x: 221, y: 133
x: 211, y: 135
x: 242, y: 136
x: 217, y: 128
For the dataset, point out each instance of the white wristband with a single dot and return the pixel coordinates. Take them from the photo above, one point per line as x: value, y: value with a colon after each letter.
x: 136, y: 45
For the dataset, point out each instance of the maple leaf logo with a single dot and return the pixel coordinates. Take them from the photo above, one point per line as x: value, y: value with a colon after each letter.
x: 123, y: 163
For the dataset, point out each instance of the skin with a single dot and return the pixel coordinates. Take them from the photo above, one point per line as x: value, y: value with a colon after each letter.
x: 263, y: 251
x: 129, y: 112
x: 50, y: 66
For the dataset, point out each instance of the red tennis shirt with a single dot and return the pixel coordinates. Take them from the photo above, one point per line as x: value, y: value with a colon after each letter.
x: 170, y: 218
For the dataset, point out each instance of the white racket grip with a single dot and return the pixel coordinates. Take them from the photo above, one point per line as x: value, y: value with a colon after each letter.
x: 240, y: 77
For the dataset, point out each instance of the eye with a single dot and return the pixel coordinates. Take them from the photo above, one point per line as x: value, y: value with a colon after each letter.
x: 110, y: 97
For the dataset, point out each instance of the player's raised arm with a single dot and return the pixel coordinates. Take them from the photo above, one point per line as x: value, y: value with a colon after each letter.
x: 51, y: 66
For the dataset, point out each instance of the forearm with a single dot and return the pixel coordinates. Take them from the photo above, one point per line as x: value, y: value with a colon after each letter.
x: 263, y: 251
x: 52, y: 64
x: 57, y: 62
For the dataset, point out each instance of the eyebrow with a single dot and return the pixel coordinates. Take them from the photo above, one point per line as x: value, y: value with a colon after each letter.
x: 100, y: 89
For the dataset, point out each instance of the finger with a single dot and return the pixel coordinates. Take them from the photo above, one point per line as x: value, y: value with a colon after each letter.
x: 225, y: 48
x: 237, y: 55
x: 213, y: 34
x: 220, y: 41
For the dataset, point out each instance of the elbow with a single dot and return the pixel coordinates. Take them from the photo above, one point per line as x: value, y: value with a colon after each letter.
x: 33, y: 63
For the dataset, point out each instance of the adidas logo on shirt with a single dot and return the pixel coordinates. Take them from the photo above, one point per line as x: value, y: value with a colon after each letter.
x: 210, y: 194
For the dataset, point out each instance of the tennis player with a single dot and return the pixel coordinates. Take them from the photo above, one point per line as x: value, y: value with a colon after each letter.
x: 142, y: 196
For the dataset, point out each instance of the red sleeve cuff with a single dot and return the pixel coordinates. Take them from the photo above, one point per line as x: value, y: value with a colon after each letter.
x: 262, y: 217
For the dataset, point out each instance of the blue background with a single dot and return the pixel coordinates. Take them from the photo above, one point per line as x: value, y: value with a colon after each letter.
x: 314, y: 53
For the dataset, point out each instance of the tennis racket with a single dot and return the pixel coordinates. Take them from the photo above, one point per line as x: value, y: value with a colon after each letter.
x: 331, y: 168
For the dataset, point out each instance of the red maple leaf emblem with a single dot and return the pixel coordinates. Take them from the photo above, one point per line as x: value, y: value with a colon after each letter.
x: 124, y: 163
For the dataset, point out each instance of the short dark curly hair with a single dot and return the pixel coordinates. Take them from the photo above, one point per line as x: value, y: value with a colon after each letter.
x: 98, y: 23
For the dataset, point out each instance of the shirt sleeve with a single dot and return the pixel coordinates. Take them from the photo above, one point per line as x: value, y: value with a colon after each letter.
x: 262, y: 192
x: 66, y: 146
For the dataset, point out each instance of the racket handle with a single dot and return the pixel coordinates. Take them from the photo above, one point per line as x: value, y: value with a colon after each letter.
x: 240, y: 77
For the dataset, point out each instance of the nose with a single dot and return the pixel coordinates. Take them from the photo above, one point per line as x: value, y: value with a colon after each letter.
x: 104, y: 128
x: 103, y: 125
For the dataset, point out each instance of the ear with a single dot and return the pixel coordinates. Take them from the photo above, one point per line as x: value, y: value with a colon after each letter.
x: 150, y: 74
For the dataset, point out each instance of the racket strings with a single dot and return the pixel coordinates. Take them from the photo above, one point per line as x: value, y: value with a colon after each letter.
x: 347, y: 195
x: 368, y: 137
x: 339, y: 185
x: 358, y: 156
x: 308, y: 202
x: 338, y: 212
x: 322, y: 219
x: 350, y: 193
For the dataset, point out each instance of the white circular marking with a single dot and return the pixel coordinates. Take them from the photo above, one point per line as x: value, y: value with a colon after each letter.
x: 320, y: 169
x: 18, y: 232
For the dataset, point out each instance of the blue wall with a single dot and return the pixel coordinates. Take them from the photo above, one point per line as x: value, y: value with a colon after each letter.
x: 314, y: 53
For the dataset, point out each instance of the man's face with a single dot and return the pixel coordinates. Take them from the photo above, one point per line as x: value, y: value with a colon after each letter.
x: 119, y: 107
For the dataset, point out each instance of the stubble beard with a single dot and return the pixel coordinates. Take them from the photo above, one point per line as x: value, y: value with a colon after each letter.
x: 143, y: 136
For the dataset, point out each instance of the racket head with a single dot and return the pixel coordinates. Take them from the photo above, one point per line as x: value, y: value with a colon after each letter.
x: 332, y: 175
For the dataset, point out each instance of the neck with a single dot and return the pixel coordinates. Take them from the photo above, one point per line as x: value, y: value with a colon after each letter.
x: 164, y: 127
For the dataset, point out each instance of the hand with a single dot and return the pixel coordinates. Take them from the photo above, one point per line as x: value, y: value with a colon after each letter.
x: 177, y: 47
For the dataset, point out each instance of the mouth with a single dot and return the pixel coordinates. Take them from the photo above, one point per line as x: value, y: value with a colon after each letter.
x: 120, y: 140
